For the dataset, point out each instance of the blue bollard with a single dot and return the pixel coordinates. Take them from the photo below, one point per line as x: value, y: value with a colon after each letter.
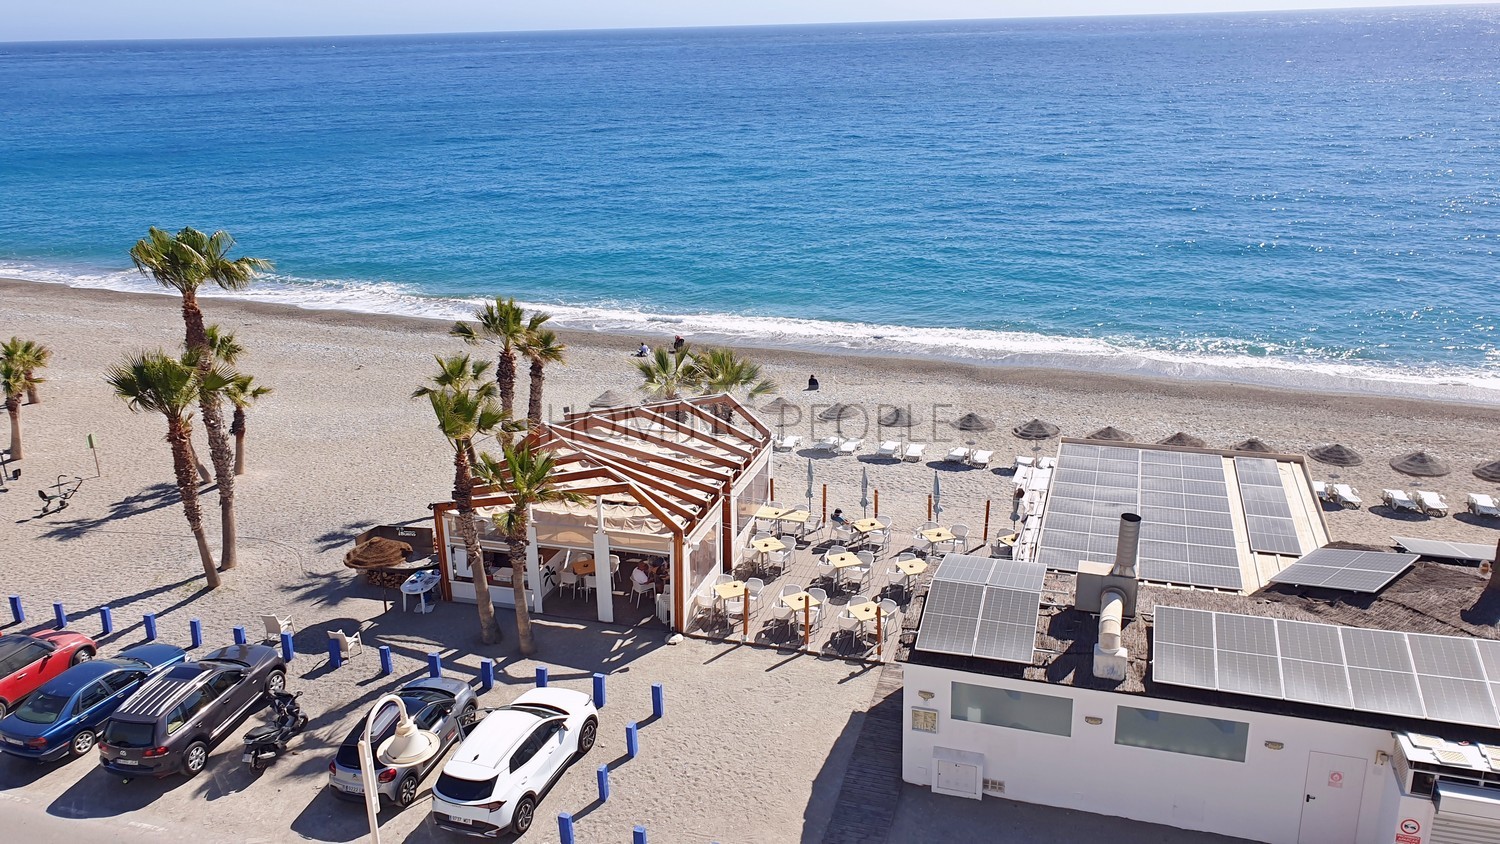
x: 632, y: 740
x: 434, y: 665
x: 385, y: 659
x: 639, y: 835
x: 16, y: 613
x: 286, y: 647
x: 541, y: 676
x: 598, y: 691
x: 658, y: 700
x: 565, y: 827
x: 150, y: 621
x: 486, y: 674
x: 240, y: 637
x: 335, y: 654
x: 603, y: 777
x: 195, y: 632
x: 60, y: 614
x: 106, y: 620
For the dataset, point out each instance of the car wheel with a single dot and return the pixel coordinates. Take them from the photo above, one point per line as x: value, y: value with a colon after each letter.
x: 466, y: 719
x: 194, y: 758
x: 276, y: 682
x: 406, y: 792
x: 586, y: 736
x: 83, y: 743
x: 525, y: 812
x: 82, y: 655
x: 3, y: 710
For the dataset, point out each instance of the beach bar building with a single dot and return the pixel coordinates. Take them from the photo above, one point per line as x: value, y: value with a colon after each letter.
x: 671, y: 483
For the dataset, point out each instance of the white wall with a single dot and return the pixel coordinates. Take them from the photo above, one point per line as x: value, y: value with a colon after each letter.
x: 1260, y: 798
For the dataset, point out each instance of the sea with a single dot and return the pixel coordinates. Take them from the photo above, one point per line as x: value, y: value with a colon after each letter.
x: 1308, y: 200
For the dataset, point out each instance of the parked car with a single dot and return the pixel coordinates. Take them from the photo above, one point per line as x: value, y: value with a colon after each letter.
x: 509, y: 760
x: 63, y: 717
x: 26, y: 662
x: 172, y: 721
x: 443, y: 705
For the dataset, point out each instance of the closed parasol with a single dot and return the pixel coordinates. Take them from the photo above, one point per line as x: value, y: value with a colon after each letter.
x: 1184, y: 440
x: 1420, y: 464
x: 1036, y: 429
x: 609, y: 398
x: 1336, y: 454
x: 377, y: 553
x: 1109, y: 433
x: 973, y: 422
x: 1488, y: 471
x: 1253, y: 444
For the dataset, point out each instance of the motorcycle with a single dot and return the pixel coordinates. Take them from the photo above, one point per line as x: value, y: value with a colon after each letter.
x: 267, y: 742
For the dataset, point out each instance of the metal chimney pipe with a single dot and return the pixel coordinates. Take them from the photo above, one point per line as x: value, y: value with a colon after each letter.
x: 1127, y: 546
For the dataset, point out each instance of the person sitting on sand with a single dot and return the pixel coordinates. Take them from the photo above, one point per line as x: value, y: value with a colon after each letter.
x: 643, y: 351
x: 812, y: 382
x: 838, y: 518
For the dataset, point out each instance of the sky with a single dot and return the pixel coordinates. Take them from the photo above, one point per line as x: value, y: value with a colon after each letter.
x: 40, y: 20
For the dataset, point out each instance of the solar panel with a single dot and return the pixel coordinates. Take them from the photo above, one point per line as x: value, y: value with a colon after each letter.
x: 978, y: 606
x: 1389, y: 692
x: 963, y: 568
x: 1182, y: 665
x: 1182, y: 626
x: 1250, y: 674
x: 1451, y: 699
x: 1315, y: 682
x: 1446, y: 550
x: 1348, y: 570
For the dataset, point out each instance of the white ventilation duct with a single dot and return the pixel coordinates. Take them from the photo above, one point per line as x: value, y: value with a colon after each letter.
x: 1111, y: 659
x: 1127, y: 545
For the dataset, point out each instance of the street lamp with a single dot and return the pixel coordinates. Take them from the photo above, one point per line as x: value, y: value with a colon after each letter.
x: 409, y: 746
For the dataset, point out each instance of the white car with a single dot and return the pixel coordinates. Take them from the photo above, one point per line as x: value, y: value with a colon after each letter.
x: 508, y: 761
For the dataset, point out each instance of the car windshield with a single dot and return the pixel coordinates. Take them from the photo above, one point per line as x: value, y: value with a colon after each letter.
x: 128, y: 733
x: 464, y: 791
x: 42, y: 708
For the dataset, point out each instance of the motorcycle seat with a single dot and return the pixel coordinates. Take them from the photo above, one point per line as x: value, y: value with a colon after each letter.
x: 261, y: 733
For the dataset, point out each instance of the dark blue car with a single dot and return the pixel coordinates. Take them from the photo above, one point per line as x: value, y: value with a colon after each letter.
x: 63, y: 717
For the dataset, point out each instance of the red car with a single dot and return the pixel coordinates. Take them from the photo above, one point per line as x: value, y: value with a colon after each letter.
x: 26, y: 662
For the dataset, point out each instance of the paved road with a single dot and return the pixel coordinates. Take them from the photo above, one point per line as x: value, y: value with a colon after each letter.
x: 26, y: 821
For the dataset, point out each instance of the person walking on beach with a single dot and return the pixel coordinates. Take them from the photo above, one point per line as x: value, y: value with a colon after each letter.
x: 678, y: 343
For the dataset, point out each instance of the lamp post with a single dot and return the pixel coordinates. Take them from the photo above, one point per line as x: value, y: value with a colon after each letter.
x: 409, y: 746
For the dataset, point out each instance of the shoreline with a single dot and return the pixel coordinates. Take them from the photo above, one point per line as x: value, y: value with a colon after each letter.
x: 994, y: 371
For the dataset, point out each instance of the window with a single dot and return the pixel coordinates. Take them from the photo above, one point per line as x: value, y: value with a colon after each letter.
x: 188, y: 708
x: 464, y: 791
x: 128, y: 733
x: 23, y: 656
x: 1016, y: 710
x: 535, y: 742
x: 42, y: 708
x: 95, y: 694
x: 1190, y: 734
x: 223, y: 682
x: 427, y: 719
x: 121, y: 680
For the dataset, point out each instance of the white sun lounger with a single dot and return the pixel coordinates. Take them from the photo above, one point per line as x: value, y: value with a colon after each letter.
x: 1320, y: 489
x: 830, y: 444
x: 1483, y: 505
x: 1022, y: 463
x: 786, y: 443
x: 1432, y: 503
x: 980, y: 459
x: 888, y: 449
x: 1347, y: 496
x: 1398, y: 499
x: 958, y: 455
x: 850, y: 446
x: 913, y: 452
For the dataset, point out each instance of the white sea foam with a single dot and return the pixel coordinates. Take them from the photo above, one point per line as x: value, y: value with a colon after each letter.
x: 1006, y: 348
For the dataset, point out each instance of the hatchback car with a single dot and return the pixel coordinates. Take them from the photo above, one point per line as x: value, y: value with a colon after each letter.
x: 169, y: 724
x: 63, y: 717
x: 509, y: 760
x: 26, y: 662
x: 443, y: 705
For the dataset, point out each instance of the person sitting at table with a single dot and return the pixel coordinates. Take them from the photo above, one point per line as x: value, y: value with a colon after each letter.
x: 838, y: 518
x: 641, y: 575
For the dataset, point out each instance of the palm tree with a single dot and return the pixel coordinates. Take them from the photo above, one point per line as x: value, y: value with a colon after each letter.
x: 463, y: 415
x: 30, y: 356
x: 223, y: 345
x: 156, y: 382
x: 242, y: 393
x: 666, y: 374
x: 13, y: 385
x: 503, y: 322
x: 185, y: 262
x: 458, y: 372
x: 526, y: 477
x: 542, y: 347
x: 723, y: 371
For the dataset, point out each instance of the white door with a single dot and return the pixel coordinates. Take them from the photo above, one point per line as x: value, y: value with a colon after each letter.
x: 1330, y: 800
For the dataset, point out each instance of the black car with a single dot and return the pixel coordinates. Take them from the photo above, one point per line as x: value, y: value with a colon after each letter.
x: 172, y: 721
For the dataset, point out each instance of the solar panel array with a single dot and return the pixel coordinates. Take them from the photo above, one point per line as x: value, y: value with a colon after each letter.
x: 1267, y: 516
x: 1439, y: 550
x: 1351, y: 571
x: 1187, y: 533
x: 1437, y: 678
x: 977, y: 606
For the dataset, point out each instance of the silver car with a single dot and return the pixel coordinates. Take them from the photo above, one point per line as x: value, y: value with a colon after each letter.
x: 442, y: 705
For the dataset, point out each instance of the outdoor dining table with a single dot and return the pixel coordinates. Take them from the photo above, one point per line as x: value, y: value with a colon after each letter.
x: 911, y: 568
x: 778, y: 514
x: 863, y: 612
x: 730, y: 590
x: 768, y: 545
x: 867, y: 525
x: 420, y: 584
x: 841, y: 562
x: 584, y: 567
x: 936, y: 536
x: 800, y: 601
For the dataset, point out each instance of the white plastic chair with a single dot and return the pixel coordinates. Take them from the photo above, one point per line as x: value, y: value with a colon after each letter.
x: 568, y: 579
x: 960, y: 539
x: 276, y: 625
x: 787, y: 589
x: 706, y: 604
x: 756, y: 586
x: 349, y: 644
x: 639, y: 589
x: 614, y: 566
x: 841, y: 533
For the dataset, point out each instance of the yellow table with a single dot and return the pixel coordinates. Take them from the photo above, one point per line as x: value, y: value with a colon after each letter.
x: 766, y: 546
x: 769, y: 513
x: 583, y: 568
x: 732, y: 589
x: 844, y: 560
x: 866, y: 525
x: 800, y: 601
x: 911, y: 568
x: 796, y: 516
x: 936, y: 535
x: 864, y: 612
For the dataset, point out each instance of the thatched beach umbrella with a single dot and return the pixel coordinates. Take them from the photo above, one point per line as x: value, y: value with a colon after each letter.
x: 837, y: 411
x: 896, y: 417
x: 973, y: 422
x: 377, y: 553
x: 609, y: 398
x: 1488, y: 471
x: 1036, y: 429
x: 1421, y: 464
x: 1110, y: 433
x: 1336, y: 455
x: 1253, y: 444
x: 1184, y: 440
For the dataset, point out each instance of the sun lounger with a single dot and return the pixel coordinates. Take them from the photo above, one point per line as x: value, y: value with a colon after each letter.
x: 1397, y: 499
x: 1347, y: 496
x: 958, y: 455
x: 850, y: 446
x: 980, y: 459
x: 786, y: 443
x: 888, y: 449
x: 1046, y: 463
x: 830, y: 444
x: 1432, y: 504
x: 1021, y: 463
x: 913, y: 452
x: 1320, y: 490
x: 1483, y: 505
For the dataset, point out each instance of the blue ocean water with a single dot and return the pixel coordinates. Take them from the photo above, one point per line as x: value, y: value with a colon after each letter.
x: 1309, y: 198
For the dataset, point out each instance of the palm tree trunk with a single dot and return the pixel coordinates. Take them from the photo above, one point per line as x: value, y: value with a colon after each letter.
x: 204, y: 476
x: 505, y: 378
x: 237, y: 428
x: 534, y: 406
x: 517, y: 542
x: 187, y: 488
x: 13, y: 407
x: 32, y: 397
x: 219, y: 450
x: 463, y: 496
